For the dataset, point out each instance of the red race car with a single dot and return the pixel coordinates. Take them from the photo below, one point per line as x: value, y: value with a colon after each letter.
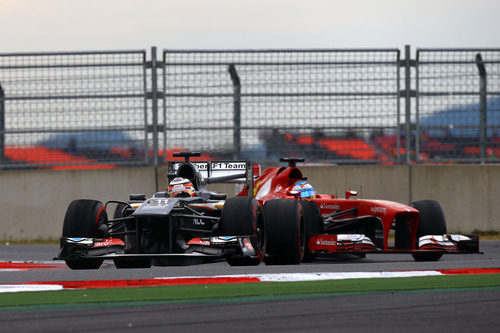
x: 301, y: 224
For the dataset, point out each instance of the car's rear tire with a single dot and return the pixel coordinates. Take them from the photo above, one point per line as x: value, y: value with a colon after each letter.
x: 128, y: 262
x: 284, y: 225
x: 87, y: 219
x: 313, y: 225
x: 243, y: 216
x: 431, y: 222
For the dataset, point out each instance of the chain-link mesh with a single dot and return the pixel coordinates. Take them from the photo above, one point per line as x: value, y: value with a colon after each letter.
x: 100, y: 109
x: 324, y: 105
x: 448, y: 104
x: 73, y: 109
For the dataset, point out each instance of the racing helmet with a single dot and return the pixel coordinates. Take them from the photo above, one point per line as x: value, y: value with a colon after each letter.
x: 180, y: 187
x: 306, y: 191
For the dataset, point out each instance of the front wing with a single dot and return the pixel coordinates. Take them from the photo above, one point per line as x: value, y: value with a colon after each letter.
x: 200, y: 250
x: 359, y: 243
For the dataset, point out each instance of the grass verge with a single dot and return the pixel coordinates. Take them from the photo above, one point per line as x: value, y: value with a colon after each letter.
x: 203, y: 293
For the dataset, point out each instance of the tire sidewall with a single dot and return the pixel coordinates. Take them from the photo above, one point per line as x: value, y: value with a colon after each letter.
x: 313, y: 225
x: 83, y: 218
x: 285, y: 235
x: 242, y: 216
x: 431, y: 222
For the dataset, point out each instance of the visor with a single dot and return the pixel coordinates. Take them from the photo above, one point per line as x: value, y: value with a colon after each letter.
x: 307, y: 193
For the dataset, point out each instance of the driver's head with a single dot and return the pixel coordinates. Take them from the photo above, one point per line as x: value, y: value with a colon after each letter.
x: 305, y: 189
x: 180, y: 187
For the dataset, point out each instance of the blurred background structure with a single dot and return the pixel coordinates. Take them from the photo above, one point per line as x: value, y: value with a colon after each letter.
x: 106, y: 109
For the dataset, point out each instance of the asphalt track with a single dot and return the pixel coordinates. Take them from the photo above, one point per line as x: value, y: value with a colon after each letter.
x: 429, y: 311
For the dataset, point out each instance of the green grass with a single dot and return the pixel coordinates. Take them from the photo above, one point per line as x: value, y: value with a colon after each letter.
x: 244, y: 291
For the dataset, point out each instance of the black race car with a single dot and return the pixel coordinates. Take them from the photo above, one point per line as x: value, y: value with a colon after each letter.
x: 164, y: 230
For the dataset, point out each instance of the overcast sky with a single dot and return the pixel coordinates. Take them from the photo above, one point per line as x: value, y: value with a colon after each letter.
x: 50, y: 25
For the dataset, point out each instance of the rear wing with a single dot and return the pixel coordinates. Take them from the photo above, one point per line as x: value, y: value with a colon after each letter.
x: 221, y: 172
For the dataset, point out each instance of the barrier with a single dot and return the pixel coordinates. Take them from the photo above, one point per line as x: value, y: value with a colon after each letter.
x: 35, y: 201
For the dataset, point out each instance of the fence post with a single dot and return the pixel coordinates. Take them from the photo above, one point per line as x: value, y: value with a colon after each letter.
x: 482, y: 107
x: 154, y: 104
x: 2, y: 126
x: 236, y: 111
x: 164, y: 102
x: 398, y: 115
x: 417, y: 110
x: 407, y: 63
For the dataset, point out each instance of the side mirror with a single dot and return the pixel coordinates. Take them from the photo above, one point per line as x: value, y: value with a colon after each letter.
x: 137, y: 197
x: 350, y: 193
x: 293, y: 193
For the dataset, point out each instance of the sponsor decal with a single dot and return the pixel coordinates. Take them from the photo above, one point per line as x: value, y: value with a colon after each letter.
x: 332, y: 206
x: 109, y: 242
x: 76, y: 240
x: 199, y: 241
x: 326, y: 242
x: 341, y: 242
x: 80, y: 241
x: 221, y: 166
x: 223, y: 240
x: 199, y: 221
x: 104, y: 243
x: 377, y: 209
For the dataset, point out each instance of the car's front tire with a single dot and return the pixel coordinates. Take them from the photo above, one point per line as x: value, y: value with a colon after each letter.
x: 242, y: 216
x: 431, y: 222
x: 284, y: 225
x: 86, y: 219
x: 313, y: 225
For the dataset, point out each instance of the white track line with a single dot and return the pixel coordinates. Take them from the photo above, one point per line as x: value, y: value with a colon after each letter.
x: 272, y: 277
x: 292, y: 277
x: 14, y: 288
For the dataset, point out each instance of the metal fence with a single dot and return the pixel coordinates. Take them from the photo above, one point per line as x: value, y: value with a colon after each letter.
x: 108, y: 109
x: 319, y: 104
x: 458, y: 105
x: 72, y: 109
